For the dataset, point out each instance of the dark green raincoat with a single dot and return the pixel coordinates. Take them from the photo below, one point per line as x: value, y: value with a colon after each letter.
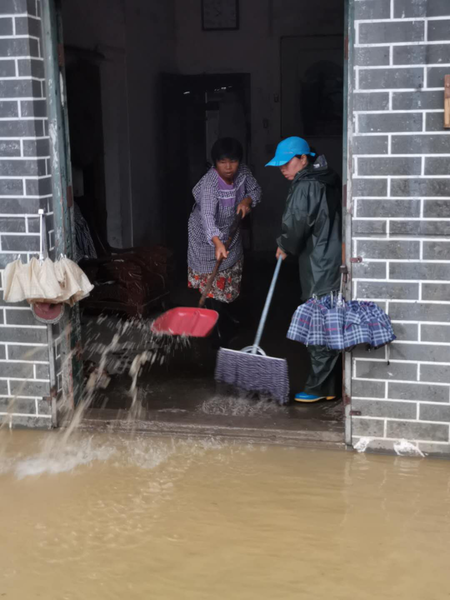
x: 311, y: 229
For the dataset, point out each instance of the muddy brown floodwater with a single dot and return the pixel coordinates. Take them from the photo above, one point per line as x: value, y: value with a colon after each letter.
x: 105, y: 516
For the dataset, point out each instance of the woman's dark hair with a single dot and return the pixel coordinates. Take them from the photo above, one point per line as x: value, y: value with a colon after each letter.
x: 227, y: 148
x: 311, y: 159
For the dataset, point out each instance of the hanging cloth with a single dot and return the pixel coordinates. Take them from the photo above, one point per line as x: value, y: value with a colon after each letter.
x: 35, y: 282
x: 74, y: 284
x: 43, y: 281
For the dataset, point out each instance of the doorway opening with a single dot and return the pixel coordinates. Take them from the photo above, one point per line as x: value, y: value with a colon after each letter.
x: 149, y: 92
x: 198, y: 110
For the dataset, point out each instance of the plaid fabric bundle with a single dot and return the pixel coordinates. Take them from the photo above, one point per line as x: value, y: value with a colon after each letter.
x: 356, y: 327
x: 340, y: 325
x: 366, y: 323
x: 307, y: 325
x: 300, y: 323
x: 317, y: 331
x: 380, y: 326
x: 334, y: 325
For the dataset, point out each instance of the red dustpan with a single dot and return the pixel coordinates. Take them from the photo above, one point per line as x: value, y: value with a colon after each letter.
x: 194, y: 322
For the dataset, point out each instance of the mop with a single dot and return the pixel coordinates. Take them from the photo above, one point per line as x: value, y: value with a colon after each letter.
x: 250, y: 368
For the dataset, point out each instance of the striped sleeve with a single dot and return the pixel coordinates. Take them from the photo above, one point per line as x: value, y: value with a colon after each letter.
x: 252, y: 189
x: 208, y: 209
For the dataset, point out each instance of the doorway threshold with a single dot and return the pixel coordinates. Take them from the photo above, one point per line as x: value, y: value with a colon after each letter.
x: 246, y: 429
x: 189, y: 405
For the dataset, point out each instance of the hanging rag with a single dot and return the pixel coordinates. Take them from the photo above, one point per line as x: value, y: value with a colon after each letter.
x: 62, y: 281
x: 73, y: 282
x: 33, y: 281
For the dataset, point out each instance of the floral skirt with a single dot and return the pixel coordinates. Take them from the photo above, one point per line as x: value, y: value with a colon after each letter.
x: 226, y: 286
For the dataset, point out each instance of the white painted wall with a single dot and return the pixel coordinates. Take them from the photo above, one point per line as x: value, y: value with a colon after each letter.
x: 150, y: 44
x: 100, y: 26
x: 137, y: 39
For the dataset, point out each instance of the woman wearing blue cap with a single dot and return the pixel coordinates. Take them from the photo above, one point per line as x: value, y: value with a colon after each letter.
x: 311, y: 230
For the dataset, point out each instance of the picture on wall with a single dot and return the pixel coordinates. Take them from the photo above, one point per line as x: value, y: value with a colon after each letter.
x: 312, y: 82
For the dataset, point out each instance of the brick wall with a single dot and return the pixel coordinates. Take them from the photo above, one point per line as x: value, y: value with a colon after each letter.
x: 25, y: 186
x: 401, y: 219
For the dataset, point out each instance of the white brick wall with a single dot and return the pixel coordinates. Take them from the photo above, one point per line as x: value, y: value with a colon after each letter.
x: 401, y: 219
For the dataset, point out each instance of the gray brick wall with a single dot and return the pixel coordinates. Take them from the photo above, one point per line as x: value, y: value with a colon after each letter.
x: 401, y: 219
x: 24, y: 179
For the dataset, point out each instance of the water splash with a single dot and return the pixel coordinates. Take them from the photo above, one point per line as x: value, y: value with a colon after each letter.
x: 55, y: 457
x: 362, y: 444
x: 405, y: 448
x: 131, y: 348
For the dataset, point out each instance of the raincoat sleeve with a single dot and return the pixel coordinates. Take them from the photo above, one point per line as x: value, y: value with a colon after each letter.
x: 252, y: 189
x: 208, y: 207
x: 298, y: 220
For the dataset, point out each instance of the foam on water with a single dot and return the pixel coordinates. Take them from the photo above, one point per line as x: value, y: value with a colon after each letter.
x: 55, y: 454
x: 240, y: 406
x: 147, y: 453
x: 56, y: 457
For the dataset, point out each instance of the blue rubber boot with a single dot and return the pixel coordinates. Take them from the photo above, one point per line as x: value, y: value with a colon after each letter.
x: 302, y: 397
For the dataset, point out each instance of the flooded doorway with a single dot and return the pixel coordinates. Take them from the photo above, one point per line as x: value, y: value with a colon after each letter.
x: 148, y: 190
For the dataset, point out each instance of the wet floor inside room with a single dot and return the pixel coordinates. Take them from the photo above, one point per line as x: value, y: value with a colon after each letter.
x: 107, y: 516
x: 180, y: 392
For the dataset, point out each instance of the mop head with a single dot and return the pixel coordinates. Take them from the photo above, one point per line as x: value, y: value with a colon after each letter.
x: 254, y: 373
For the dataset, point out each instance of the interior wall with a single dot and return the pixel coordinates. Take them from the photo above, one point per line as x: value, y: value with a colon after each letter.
x: 136, y: 39
x: 150, y: 43
x: 100, y: 27
x: 141, y: 38
x: 255, y: 49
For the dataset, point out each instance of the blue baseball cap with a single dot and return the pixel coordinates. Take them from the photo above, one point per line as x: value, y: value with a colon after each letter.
x: 287, y: 149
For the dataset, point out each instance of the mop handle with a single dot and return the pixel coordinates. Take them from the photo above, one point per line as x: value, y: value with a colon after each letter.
x: 262, y: 322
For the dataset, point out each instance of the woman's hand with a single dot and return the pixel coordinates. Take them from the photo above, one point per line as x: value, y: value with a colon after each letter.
x: 244, y: 207
x: 221, y: 251
x: 281, y: 253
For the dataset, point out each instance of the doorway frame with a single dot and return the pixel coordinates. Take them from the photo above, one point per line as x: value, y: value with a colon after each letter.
x: 63, y: 202
x: 347, y: 166
x: 66, y: 339
x: 347, y: 200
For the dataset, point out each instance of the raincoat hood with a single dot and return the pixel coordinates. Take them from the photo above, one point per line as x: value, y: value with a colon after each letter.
x: 321, y: 172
